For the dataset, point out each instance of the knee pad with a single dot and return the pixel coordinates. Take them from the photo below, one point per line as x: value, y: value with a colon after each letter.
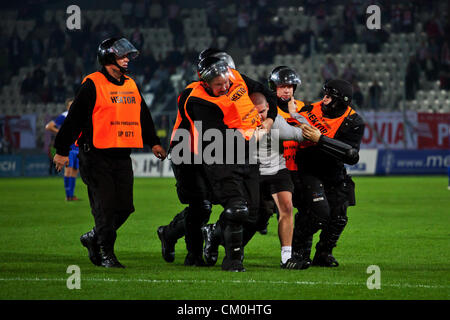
x: 339, y: 221
x: 237, y: 213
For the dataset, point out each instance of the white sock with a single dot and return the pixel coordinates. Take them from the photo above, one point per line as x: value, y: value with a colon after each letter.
x: 286, y: 253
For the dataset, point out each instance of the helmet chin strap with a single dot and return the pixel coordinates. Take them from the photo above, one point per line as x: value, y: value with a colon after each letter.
x: 122, y: 69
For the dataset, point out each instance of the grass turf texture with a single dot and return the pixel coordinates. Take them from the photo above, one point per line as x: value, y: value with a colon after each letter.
x: 400, y: 224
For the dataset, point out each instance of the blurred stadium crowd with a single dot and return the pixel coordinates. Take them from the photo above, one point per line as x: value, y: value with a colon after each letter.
x: 403, y: 66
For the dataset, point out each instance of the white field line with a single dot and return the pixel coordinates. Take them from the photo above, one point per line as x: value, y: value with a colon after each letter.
x: 160, y: 281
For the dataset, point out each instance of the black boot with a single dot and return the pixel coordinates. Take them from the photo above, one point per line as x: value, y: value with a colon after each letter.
x: 212, y: 239
x: 233, y: 265
x: 89, y: 240
x: 324, y: 259
x: 328, y: 240
x: 234, y: 249
x: 170, y: 234
x: 323, y: 256
x: 167, y: 246
x: 108, y: 258
x: 301, y: 250
x: 196, y: 217
x: 193, y: 259
x: 304, y: 228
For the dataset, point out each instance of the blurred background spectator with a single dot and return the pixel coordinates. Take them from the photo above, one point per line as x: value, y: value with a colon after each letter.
x: 329, y: 70
x: 375, y: 91
x: 412, y: 78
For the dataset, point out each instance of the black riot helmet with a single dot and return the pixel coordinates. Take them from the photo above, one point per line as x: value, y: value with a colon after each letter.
x: 211, y: 67
x: 340, y: 92
x: 283, y: 75
x: 222, y: 55
x: 111, y: 49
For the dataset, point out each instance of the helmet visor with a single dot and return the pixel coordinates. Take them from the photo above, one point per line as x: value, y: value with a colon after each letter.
x: 219, y: 68
x: 331, y: 92
x: 122, y: 48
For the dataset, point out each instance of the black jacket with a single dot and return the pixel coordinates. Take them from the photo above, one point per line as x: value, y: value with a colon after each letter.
x: 314, y: 161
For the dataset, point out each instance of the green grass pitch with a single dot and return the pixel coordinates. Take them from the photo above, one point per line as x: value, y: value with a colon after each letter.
x: 400, y: 224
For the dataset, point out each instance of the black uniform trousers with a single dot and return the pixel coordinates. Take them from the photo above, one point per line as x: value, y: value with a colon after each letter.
x: 323, y: 206
x: 192, y: 189
x: 109, y: 182
x: 236, y: 188
x: 297, y: 193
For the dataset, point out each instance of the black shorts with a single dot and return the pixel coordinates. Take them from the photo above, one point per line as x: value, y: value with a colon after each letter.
x: 271, y: 184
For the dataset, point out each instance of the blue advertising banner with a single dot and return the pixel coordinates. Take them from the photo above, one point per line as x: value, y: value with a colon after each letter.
x: 10, y: 166
x: 35, y: 165
x: 412, y: 162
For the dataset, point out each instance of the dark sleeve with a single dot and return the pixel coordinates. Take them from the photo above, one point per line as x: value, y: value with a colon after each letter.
x: 345, y: 145
x: 255, y: 86
x: 149, y: 136
x: 78, y: 119
x: 351, y: 131
x: 210, y: 115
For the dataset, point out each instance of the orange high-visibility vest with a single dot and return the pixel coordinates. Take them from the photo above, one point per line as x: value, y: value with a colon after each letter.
x: 116, y: 119
x: 238, y: 93
x: 290, y: 146
x: 231, y: 118
x: 327, y: 126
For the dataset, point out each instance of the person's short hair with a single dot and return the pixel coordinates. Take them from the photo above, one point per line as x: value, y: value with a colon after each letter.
x: 68, y: 102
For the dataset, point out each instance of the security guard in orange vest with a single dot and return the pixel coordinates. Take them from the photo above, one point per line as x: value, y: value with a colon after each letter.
x: 192, y: 187
x: 335, y: 135
x: 109, y: 117
x: 190, y: 183
x: 221, y: 105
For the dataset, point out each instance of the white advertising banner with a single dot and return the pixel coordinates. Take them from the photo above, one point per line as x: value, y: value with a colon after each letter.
x: 389, y: 130
x: 366, y: 165
x: 147, y: 165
